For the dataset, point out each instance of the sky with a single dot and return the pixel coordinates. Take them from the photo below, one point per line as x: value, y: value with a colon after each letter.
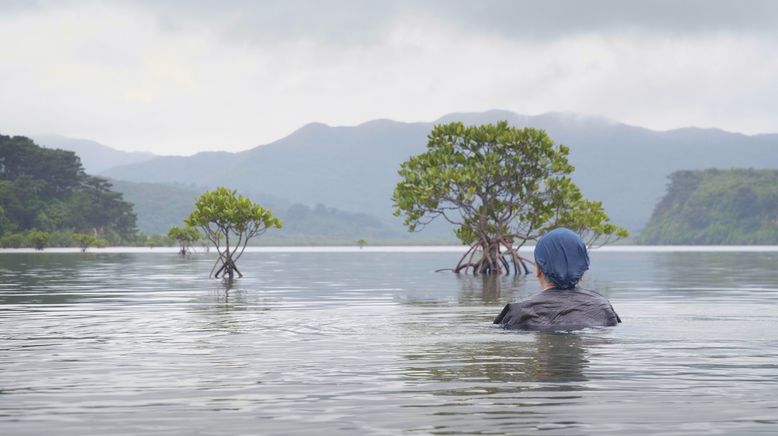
x: 179, y: 77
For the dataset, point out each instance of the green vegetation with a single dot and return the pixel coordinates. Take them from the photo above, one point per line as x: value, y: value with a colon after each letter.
x: 45, y: 191
x: 16, y: 240
x: 185, y: 236
x: 738, y: 206
x: 500, y: 186
x: 230, y: 219
x: 85, y: 241
x: 155, y: 240
x: 38, y: 239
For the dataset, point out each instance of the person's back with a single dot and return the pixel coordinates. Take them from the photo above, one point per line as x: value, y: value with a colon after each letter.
x: 559, y: 309
x: 561, y: 259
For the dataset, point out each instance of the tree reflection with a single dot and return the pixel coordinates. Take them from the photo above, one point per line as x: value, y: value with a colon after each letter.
x: 221, y: 307
x: 58, y: 279
x: 490, y: 289
x: 559, y: 358
x: 226, y: 301
x: 553, y: 359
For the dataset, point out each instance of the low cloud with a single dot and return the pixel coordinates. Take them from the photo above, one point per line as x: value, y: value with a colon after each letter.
x: 177, y: 78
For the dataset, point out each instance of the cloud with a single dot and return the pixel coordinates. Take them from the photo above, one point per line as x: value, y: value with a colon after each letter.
x: 559, y: 18
x: 179, y: 77
x: 350, y: 22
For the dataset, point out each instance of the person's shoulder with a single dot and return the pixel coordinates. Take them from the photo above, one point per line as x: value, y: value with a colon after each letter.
x: 534, y: 297
x: 590, y: 292
x: 518, y: 309
x: 604, y: 303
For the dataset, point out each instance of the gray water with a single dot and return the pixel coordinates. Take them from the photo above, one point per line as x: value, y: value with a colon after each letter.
x: 378, y: 343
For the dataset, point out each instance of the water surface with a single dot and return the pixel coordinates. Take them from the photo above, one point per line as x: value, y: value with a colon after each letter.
x: 377, y: 343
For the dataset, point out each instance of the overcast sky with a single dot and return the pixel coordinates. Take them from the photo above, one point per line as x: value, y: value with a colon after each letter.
x: 178, y: 77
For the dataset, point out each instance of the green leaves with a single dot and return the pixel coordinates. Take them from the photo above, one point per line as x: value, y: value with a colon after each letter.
x: 184, y: 235
x: 229, y: 218
x: 495, y: 181
x: 227, y: 209
x: 38, y: 239
x: 85, y: 241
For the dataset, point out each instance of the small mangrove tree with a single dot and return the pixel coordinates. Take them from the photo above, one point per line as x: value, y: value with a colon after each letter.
x: 85, y: 240
x: 229, y: 221
x: 185, y: 236
x: 500, y: 187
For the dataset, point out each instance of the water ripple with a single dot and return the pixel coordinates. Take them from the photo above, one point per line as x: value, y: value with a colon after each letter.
x: 376, y: 343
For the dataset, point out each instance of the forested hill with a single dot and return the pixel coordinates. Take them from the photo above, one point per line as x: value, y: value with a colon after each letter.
x: 738, y: 206
x: 355, y: 168
x: 47, y: 190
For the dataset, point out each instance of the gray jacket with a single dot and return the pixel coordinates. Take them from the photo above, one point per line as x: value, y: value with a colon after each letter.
x: 559, y: 309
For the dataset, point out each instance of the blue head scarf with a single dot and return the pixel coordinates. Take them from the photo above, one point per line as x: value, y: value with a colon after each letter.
x: 561, y: 256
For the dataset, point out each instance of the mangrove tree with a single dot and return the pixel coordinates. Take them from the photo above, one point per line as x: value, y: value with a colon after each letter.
x: 500, y: 187
x: 229, y: 221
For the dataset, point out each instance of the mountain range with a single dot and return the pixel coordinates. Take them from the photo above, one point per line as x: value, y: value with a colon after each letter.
x: 95, y: 157
x: 354, y: 168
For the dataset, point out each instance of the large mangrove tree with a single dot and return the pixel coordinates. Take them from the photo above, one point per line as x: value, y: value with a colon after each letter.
x: 500, y: 187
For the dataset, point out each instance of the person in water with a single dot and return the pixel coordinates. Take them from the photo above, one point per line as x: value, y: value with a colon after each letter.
x: 560, y: 261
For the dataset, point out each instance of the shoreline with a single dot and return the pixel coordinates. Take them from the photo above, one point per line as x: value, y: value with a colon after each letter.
x: 397, y: 249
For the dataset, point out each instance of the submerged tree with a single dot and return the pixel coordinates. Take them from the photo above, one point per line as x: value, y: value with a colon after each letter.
x: 229, y: 220
x: 501, y: 187
x: 185, y: 236
x: 39, y: 239
x: 85, y: 241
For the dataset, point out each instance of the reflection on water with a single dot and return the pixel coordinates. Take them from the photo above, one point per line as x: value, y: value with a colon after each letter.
x: 377, y: 343
x: 544, y: 357
x: 491, y: 289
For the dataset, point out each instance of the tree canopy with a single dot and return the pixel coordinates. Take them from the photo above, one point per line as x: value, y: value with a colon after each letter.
x: 48, y: 190
x: 185, y: 236
x: 85, y: 241
x: 501, y: 187
x: 229, y: 220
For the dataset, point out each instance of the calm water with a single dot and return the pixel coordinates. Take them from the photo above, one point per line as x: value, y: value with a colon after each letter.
x: 377, y: 343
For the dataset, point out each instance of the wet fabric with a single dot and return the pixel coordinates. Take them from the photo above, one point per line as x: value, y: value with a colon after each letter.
x: 559, y: 309
x: 562, y: 257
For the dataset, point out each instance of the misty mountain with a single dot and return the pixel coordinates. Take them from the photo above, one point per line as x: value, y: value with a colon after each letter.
x: 355, y: 168
x: 350, y: 168
x: 95, y: 157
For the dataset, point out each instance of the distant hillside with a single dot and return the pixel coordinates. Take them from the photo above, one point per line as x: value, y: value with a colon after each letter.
x: 94, y: 156
x: 159, y: 206
x: 717, y: 207
x: 355, y: 168
x: 350, y: 168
